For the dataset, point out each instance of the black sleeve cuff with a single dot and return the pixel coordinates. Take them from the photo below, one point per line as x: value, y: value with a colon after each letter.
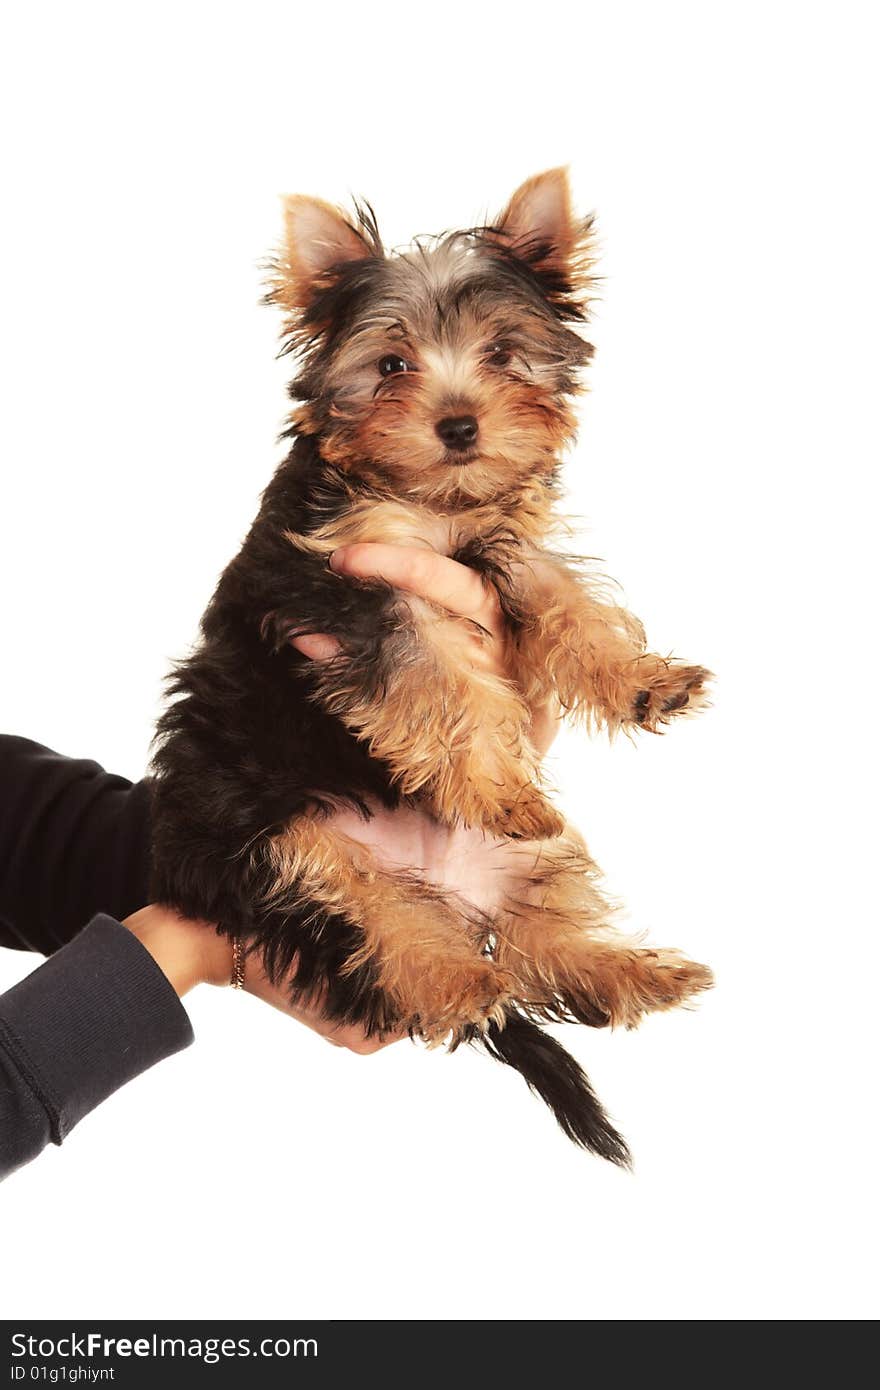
x: 95, y: 1015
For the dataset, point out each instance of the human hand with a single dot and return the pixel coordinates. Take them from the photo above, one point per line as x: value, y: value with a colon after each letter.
x: 347, y: 1035
x: 453, y: 586
x: 190, y: 953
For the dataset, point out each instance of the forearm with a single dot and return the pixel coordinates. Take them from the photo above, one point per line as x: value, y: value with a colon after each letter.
x: 74, y: 840
x: 97, y: 1014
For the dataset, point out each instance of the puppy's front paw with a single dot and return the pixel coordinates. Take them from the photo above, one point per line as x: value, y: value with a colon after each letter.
x: 509, y: 809
x: 670, y: 689
x: 516, y: 813
x: 529, y: 817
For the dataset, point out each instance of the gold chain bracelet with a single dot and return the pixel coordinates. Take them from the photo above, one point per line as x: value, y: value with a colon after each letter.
x: 237, y: 980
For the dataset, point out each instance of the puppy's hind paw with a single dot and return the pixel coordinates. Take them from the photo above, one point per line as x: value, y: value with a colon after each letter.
x: 460, y: 998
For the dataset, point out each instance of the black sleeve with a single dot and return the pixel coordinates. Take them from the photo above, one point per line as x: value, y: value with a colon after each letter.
x: 74, y: 840
x: 94, y: 1016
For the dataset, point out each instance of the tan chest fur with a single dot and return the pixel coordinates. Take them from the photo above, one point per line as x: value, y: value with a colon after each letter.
x: 401, y: 523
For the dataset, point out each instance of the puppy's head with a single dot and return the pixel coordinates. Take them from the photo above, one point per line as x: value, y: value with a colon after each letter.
x: 446, y: 372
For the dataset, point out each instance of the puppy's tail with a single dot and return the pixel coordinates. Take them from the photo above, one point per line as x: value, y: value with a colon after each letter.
x: 554, y: 1075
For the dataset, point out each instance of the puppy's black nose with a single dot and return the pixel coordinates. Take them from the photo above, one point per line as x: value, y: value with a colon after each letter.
x: 457, y: 431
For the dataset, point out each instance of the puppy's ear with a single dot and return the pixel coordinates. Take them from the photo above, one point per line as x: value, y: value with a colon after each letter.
x: 537, y: 222
x: 539, y: 228
x: 319, y: 240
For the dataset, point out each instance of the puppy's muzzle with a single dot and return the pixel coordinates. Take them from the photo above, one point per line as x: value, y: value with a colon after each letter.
x: 458, y: 432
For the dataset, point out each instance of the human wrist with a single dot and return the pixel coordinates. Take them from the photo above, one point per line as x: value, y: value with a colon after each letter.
x: 187, y: 952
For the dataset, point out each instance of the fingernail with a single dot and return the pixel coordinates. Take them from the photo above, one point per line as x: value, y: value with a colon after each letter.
x: 337, y: 559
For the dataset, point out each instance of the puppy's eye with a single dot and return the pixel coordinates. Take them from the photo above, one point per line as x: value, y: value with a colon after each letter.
x: 499, y: 355
x: 392, y: 365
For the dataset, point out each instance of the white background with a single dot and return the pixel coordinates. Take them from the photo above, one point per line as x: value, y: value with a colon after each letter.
x: 727, y: 475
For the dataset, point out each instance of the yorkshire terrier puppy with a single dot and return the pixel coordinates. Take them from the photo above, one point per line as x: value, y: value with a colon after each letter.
x: 433, y: 403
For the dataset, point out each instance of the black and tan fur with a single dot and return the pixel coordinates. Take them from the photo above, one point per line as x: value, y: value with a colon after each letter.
x: 261, y: 747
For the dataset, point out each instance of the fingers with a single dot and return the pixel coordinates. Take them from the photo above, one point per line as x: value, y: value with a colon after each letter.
x: 317, y: 646
x: 346, y: 1035
x: 419, y: 571
x: 311, y: 1013
x: 423, y: 572
x: 353, y: 1040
